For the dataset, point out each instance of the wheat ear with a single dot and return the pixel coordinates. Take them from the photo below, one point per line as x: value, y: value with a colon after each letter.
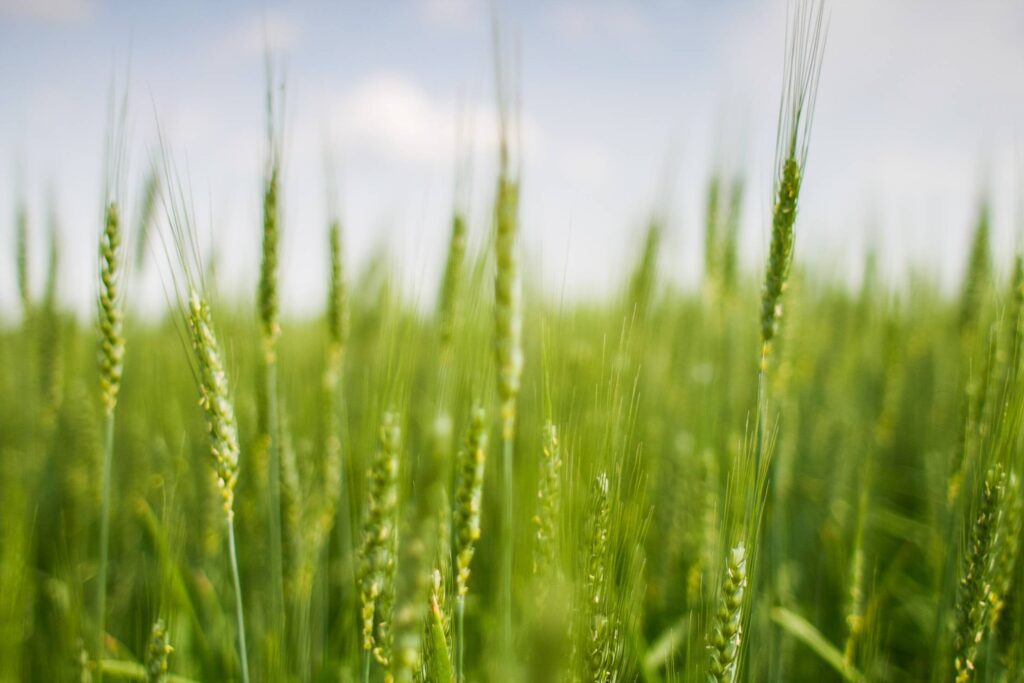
x: 158, y: 651
x: 378, y: 553
x: 973, y: 593
x: 468, y: 501
x: 549, y: 502
x: 727, y: 631
x: 111, y: 358
x: 222, y: 427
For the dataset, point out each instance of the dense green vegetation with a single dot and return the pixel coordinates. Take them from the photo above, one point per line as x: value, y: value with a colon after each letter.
x: 670, y: 485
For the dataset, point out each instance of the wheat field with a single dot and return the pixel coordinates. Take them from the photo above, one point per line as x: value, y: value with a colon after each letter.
x: 771, y: 476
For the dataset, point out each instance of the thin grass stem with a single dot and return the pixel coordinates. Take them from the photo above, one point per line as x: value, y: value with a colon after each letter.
x: 507, y: 558
x: 460, y: 616
x: 274, y: 485
x: 101, y: 580
x: 243, y: 650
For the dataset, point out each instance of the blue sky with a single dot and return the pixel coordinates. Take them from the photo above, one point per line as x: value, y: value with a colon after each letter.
x: 921, y: 107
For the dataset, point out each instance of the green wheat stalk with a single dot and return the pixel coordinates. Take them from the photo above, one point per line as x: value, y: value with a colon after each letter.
x: 270, y: 330
x: 806, y: 45
x: 21, y: 258
x: 468, y: 501
x: 111, y: 359
x: 549, y: 503
x: 976, y: 577
x: 600, y: 648
x: 378, y: 553
x: 215, y: 399
x: 508, y: 342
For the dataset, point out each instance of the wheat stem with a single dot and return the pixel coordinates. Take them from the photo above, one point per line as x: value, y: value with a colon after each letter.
x: 215, y: 399
x: 460, y: 620
x: 507, y: 556
x: 101, y: 580
x: 21, y: 260
x: 270, y: 330
x: 111, y: 317
x: 274, y: 485
x: 239, y: 613
x: 508, y: 348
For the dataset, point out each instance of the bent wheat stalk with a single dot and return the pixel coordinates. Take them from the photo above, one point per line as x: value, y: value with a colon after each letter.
x: 215, y: 399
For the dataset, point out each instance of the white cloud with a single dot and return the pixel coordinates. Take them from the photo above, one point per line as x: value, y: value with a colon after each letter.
x: 58, y: 11
x: 390, y: 114
x: 600, y: 20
